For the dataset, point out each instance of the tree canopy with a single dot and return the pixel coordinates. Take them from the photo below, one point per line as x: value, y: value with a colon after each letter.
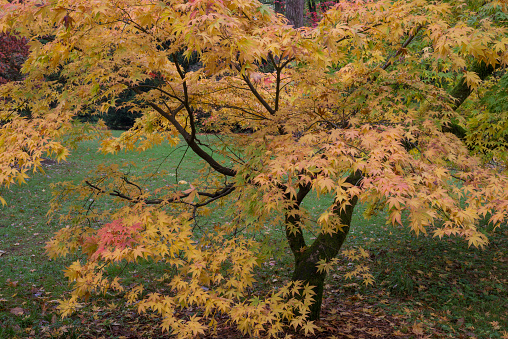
x: 355, y: 109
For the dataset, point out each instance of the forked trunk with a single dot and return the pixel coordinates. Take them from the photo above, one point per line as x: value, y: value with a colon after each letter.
x: 325, y: 247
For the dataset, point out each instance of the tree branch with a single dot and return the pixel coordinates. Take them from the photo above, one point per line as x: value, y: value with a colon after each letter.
x: 189, y: 139
x: 461, y: 92
x: 294, y: 232
x: 255, y: 92
x: 186, y: 101
x: 278, y: 80
x: 404, y: 45
x: 226, y: 190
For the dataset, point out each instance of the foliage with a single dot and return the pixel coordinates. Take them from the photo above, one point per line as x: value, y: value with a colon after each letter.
x: 316, y: 9
x: 118, y: 118
x: 496, y: 99
x: 345, y: 115
x: 13, y: 52
x: 457, y: 283
x: 488, y: 125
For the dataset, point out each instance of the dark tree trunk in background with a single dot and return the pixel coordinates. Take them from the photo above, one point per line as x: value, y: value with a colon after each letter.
x: 461, y: 91
x: 294, y: 12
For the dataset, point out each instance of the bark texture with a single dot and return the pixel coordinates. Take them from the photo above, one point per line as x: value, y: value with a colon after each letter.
x: 294, y: 12
x: 325, y: 247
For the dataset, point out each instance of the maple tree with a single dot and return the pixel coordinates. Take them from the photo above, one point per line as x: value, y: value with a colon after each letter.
x: 354, y: 111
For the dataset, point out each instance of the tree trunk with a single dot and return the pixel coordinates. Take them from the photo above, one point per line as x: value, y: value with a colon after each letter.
x: 294, y: 12
x: 325, y: 247
x: 461, y: 92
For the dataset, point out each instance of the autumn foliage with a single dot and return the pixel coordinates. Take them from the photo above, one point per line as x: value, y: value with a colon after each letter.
x: 353, y: 110
x: 13, y: 52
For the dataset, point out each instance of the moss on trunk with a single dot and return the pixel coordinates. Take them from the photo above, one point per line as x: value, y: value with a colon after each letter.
x: 325, y: 247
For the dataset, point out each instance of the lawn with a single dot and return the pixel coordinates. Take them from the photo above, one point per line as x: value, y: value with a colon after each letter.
x: 423, y: 286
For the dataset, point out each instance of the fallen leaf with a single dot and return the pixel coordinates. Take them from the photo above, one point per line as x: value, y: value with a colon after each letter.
x: 11, y: 283
x: 17, y: 311
x: 2, y: 253
x: 495, y: 324
x: 417, y: 329
x: 44, y: 307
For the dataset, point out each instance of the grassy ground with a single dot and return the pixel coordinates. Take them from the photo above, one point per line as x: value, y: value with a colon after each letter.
x: 424, y: 287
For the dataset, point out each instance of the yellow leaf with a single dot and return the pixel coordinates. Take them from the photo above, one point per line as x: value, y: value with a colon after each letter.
x: 472, y: 80
x: 309, y: 327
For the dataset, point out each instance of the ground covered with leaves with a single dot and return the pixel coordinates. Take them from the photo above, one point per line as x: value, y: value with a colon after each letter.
x: 424, y: 288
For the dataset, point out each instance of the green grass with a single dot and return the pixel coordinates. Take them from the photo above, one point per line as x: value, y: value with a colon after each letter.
x: 451, y: 290
x: 459, y: 290
x: 28, y: 278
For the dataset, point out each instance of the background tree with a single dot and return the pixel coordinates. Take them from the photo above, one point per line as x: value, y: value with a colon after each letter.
x: 482, y: 123
x: 348, y: 115
x: 486, y: 129
x: 294, y: 12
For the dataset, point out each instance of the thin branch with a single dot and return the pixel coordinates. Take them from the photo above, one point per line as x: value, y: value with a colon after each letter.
x: 190, y: 140
x: 260, y: 117
x: 255, y: 92
x: 100, y: 190
x: 229, y: 188
x: 179, y: 163
x: 226, y: 191
x: 133, y: 184
x: 404, y: 45
x: 163, y: 160
x: 278, y: 79
x: 186, y: 101
x: 365, y: 30
x: 161, y: 90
